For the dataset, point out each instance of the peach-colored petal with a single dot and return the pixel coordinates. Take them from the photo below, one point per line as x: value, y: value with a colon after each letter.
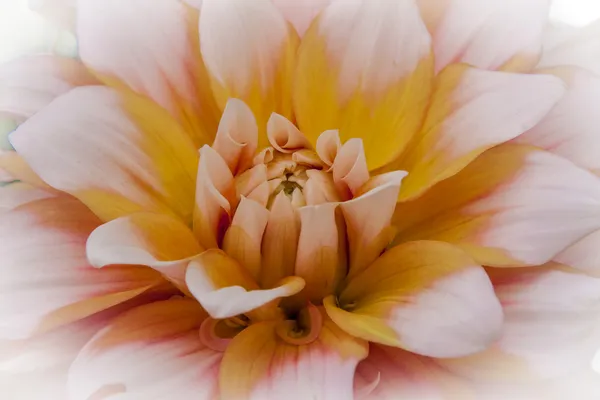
x: 491, y: 34
x: 30, y: 83
x: 284, y: 136
x: 583, y: 255
x: 156, y: 240
x: 280, y: 242
x: 215, y: 198
x: 427, y: 297
x: 226, y: 289
x: 249, y: 180
x: 237, y: 136
x: 244, y: 237
x: 89, y: 143
x: 300, y: 13
x: 257, y: 62
x: 307, y: 157
x: 514, y: 205
x: 471, y: 111
x: 47, y: 281
x: 350, y: 169
x: 321, y: 259
x: 154, y: 51
x: 320, y: 188
x: 368, y: 219
x: 369, y: 83
x: 570, y: 128
x: 151, y: 352
x: 328, y: 144
x: 16, y: 168
x: 266, y: 367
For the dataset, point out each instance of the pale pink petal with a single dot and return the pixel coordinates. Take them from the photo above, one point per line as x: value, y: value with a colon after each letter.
x: 327, y: 146
x: 584, y: 255
x: 60, y: 12
x: 226, y: 289
x: 300, y: 13
x: 15, y: 168
x: 284, y: 136
x: 92, y: 143
x: 154, y: 51
x: 18, y: 193
x: 350, y: 169
x: 491, y: 34
x: 237, y: 136
x: 46, y: 279
x: 151, y: 352
x: 244, y: 237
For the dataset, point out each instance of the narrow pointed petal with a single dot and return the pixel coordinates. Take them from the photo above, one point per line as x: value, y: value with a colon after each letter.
x: 47, y: 281
x: 244, y: 237
x: 266, y: 367
x: 514, y: 205
x: 350, y: 169
x: 369, y: 83
x: 156, y: 240
x: 256, y: 65
x: 583, y: 255
x: 494, y: 34
x: 368, y: 222
x: 164, y: 40
x: 89, y: 143
x: 150, y: 352
x: 473, y: 110
x: 237, y: 136
x: 300, y: 14
x: 570, y: 128
x: 409, y: 297
x: 284, y: 136
x: 226, y: 289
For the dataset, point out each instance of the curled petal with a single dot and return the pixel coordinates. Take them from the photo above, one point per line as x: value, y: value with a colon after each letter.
x: 320, y: 188
x: 284, y: 136
x: 327, y: 146
x: 350, y: 169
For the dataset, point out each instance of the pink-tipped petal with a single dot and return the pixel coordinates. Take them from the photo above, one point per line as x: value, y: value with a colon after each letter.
x: 284, y: 136
x: 300, y: 13
x: 93, y: 144
x: 350, y: 169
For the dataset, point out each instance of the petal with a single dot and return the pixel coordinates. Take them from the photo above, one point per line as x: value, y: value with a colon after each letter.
x: 226, y: 289
x: 249, y: 180
x: 244, y: 237
x: 321, y: 259
x: 16, y: 167
x: 473, y: 110
x: 328, y: 144
x: 256, y: 64
x: 15, y: 194
x: 284, y: 136
x: 46, y: 279
x: 87, y: 143
x: 280, y: 242
x: 30, y: 83
x: 156, y: 240
x: 350, y: 169
x: 426, y: 297
x: 494, y: 34
x: 369, y: 83
x: 150, y: 352
x: 215, y: 198
x: 570, y: 129
x: 259, y: 365
x: 368, y: 219
x: 584, y: 255
x: 514, y: 205
x: 61, y: 12
x: 320, y: 188
x: 164, y: 40
x: 237, y: 136
x: 300, y: 14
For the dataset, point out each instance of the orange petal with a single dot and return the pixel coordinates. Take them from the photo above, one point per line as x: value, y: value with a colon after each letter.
x: 368, y: 222
x: 158, y: 241
x: 87, y: 143
x: 471, y: 111
x: 152, y: 351
x: 226, y: 289
x: 284, y: 136
x: 408, y: 298
x: 514, y: 205
x: 173, y: 73
x: 369, y: 83
x: 256, y: 64
x: 47, y: 281
x: 237, y: 136
x: 350, y: 169
x: 244, y: 237
x: 266, y: 367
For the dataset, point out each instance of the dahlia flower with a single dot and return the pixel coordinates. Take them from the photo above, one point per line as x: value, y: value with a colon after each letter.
x: 256, y: 199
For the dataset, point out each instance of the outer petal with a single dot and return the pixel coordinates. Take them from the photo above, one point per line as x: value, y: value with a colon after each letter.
x: 473, y: 110
x: 15, y: 194
x: 514, y: 205
x: 16, y: 168
x: 46, y: 280
x: 226, y: 289
x: 87, y: 143
x: 368, y: 83
x: 256, y: 63
x: 584, y: 255
x: 300, y: 14
x: 265, y: 367
x: 150, y: 352
x: 427, y: 297
x: 158, y: 241
x: 570, y: 129
x: 117, y: 37
x: 494, y: 34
